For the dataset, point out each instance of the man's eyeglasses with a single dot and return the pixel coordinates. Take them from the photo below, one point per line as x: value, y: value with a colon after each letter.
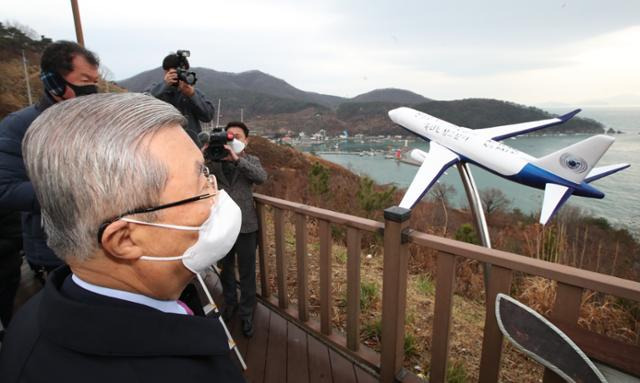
x: 211, y: 179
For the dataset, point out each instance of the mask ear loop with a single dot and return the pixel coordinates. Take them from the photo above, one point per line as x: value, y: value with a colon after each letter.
x: 232, y: 343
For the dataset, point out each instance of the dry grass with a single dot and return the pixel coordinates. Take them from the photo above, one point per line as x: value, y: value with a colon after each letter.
x: 614, y: 317
x: 467, y: 318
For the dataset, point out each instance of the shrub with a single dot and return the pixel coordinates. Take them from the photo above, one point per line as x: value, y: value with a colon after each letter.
x: 466, y: 233
x: 410, y: 346
x: 371, y: 200
x: 456, y: 373
x: 368, y: 295
x: 319, y: 179
x: 425, y: 284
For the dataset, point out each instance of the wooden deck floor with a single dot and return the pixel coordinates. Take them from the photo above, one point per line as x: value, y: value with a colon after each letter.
x: 280, y: 351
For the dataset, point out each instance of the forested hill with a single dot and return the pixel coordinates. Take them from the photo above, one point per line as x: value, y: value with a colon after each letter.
x: 16, y: 39
x: 276, y: 106
x: 13, y: 42
x: 371, y: 117
x: 473, y: 113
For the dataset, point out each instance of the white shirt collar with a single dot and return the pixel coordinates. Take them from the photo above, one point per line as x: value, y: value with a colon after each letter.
x: 164, y: 306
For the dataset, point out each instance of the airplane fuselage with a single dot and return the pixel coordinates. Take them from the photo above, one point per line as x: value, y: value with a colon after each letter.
x: 494, y: 156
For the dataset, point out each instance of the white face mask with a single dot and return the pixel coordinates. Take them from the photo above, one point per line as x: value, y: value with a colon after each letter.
x: 237, y: 146
x: 217, y: 235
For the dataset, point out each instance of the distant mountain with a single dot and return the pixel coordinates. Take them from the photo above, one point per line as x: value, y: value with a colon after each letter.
x: 391, y: 95
x: 371, y: 117
x: 218, y: 84
x: 478, y: 113
x: 272, y: 105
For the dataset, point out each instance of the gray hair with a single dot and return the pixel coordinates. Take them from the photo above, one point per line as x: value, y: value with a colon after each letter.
x: 87, y: 162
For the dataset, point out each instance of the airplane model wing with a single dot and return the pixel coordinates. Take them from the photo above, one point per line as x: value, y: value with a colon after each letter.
x: 554, y: 197
x: 505, y: 131
x: 435, y: 163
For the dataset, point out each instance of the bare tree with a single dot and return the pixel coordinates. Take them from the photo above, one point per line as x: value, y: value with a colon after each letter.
x: 27, y: 30
x: 494, y: 200
x: 107, y: 76
x: 441, y: 192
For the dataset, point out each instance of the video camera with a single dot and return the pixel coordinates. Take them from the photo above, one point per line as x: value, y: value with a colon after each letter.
x: 217, y: 139
x: 183, y: 68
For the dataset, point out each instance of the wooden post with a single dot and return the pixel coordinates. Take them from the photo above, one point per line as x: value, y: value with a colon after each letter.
x: 499, y: 282
x: 303, y: 267
x: 394, y: 292
x: 76, y: 20
x: 281, y: 261
x: 262, y: 253
x: 353, y: 288
x: 566, y: 309
x: 445, y: 279
x: 325, y: 277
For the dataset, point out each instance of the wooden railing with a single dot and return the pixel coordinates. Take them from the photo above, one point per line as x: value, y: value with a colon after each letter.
x: 571, y: 283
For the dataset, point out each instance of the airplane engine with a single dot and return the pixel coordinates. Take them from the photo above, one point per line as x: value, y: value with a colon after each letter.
x: 418, y: 155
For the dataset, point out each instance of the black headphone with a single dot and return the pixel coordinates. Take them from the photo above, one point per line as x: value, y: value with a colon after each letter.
x: 53, y: 83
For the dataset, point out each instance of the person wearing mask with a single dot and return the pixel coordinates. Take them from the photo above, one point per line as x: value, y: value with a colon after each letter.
x: 191, y: 102
x: 68, y: 70
x: 237, y: 173
x: 130, y: 207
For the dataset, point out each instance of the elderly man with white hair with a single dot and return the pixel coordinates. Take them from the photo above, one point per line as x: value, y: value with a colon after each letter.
x: 130, y: 207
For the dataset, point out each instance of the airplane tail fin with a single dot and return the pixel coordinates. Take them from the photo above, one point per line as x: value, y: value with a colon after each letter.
x: 554, y: 197
x: 576, y: 161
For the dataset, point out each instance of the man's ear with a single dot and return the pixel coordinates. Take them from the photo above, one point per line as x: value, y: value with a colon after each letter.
x: 118, y: 241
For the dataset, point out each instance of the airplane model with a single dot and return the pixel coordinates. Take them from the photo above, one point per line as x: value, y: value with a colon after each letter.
x: 561, y: 174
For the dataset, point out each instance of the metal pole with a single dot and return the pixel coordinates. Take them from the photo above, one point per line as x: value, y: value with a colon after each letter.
x: 241, y: 114
x: 218, y: 115
x: 475, y: 204
x: 26, y: 77
x: 76, y: 20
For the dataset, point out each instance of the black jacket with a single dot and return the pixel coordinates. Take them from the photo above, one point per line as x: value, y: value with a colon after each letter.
x: 16, y: 191
x: 242, y: 175
x: 195, y: 108
x: 68, y: 334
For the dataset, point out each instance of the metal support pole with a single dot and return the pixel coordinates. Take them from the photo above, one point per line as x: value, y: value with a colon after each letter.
x: 26, y: 77
x: 475, y: 204
x: 218, y: 115
x: 76, y: 20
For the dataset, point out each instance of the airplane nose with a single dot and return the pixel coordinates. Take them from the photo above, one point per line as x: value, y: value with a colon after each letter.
x: 396, y: 115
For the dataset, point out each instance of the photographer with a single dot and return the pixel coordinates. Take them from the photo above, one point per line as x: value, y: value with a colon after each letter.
x: 178, y: 89
x: 236, y: 173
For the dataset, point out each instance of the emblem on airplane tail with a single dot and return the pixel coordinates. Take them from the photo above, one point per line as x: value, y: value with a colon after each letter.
x: 573, y: 162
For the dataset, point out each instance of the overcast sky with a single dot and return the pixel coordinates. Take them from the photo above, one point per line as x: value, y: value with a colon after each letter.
x: 531, y: 52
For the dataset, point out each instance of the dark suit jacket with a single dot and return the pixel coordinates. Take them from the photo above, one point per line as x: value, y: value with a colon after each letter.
x: 68, y: 334
x: 246, y: 172
x: 195, y: 108
x: 16, y: 191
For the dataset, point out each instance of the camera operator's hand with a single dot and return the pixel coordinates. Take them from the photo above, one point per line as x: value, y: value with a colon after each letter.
x: 186, y: 89
x: 171, y: 77
x: 232, y: 155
